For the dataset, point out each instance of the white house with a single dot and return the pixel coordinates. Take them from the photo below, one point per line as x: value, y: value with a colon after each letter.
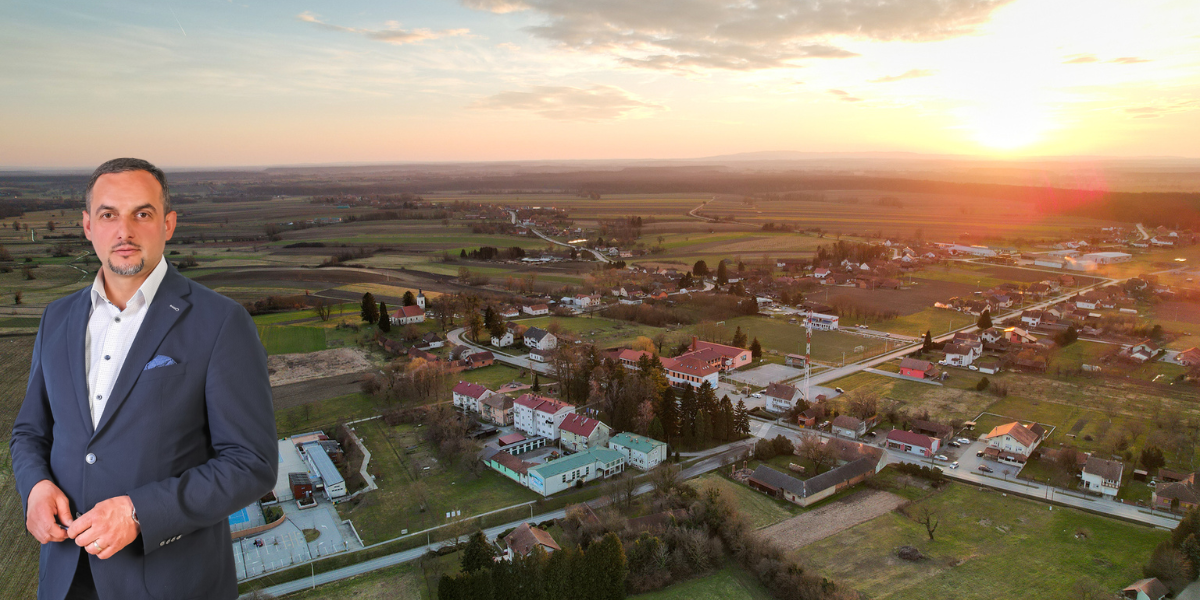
x: 962, y: 354
x: 781, y: 397
x: 640, y: 451
x: 1102, y: 476
x: 538, y: 415
x: 467, y: 395
x: 912, y: 443
x: 406, y: 315
x: 536, y: 310
x: 578, y: 433
x: 503, y: 341
x: 822, y: 322
x: 848, y: 426
x: 1013, y: 442
x: 540, y: 342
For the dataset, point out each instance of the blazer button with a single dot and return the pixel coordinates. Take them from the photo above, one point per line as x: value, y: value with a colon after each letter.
x: 90, y: 458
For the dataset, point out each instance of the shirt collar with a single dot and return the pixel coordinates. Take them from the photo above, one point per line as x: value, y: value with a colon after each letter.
x: 147, y: 290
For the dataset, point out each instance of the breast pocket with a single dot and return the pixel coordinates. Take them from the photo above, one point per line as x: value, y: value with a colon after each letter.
x: 157, y: 373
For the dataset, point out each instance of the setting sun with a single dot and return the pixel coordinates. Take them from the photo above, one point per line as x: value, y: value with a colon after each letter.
x: 1007, y: 126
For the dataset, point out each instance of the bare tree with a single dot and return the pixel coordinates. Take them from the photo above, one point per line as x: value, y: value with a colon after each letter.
x: 864, y: 404
x: 323, y: 309
x: 664, y: 478
x: 929, y: 519
x: 814, y: 449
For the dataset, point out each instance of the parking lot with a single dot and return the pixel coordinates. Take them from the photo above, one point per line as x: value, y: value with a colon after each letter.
x: 766, y: 374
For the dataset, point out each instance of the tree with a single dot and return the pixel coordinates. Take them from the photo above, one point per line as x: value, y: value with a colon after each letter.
x: 1170, y: 565
x: 656, y: 430
x: 323, y: 309
x: 474, y: 325
x: 686, y: 281
x: 664, y: 478
x: 739, y: 338
x: 50, y: 225
x: 814, y: 449
x: 605, y: 569
x: 17, y: 296
x: 464, y: 275
x: 700, y: 269
x: 755, y: 349
x: 1068, y: 337
x: 687, y: 414
x: 722, y: 274
x: 741, y: 420
x: 385, y: 321
x: 863, y: 404
x: 668, y: 414
x: 409, y: 299
x: 927, y: 343
x: 929, y: 519
x: 1152, y: 458
x: 985, y: 319
x: 1191, y: 550
x: 478, y: 553
x: 724, y: 423
x: 983, y: 384
x: 370, y: 310
x: 537, y: 386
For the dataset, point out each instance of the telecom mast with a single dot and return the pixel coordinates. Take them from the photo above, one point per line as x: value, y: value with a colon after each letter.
x: 807, y: 353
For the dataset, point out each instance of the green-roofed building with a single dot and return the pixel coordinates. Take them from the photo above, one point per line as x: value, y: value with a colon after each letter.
x: 640, y: 451
x: 558, y: 475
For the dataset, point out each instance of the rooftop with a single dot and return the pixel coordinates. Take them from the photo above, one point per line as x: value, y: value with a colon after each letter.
x: 636, y: 442
x: 576, y: 461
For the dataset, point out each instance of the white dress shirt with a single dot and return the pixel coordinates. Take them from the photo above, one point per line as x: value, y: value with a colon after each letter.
x: 110, y: 334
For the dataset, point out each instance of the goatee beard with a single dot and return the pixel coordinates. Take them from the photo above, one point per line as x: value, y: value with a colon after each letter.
x: 130, y: 270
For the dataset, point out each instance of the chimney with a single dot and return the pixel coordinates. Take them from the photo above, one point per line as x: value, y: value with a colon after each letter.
x: 693, y: 342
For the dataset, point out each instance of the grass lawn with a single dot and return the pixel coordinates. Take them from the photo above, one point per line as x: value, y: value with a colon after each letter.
x: 761, y: 510
x: 400, y: 581
x: 955, y: 400
x: 598, y: 330
x: 730, y: 582
x: 1079, y: 353
x: 938, y: 321
x: 827, y: 346
x: 987, y: 546
x: 287, y: 339
x: 412, y: 497
x: 497, y: 375
x: 324, y: 414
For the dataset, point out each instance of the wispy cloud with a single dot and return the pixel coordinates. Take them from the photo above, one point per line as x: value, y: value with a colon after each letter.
x: 392, y: 35
x: 1129, y: 60
x: 1081, y: 59
x: 909, y: 74
x: 743, y: 36
x: 1158, y: 110
x: 596, y: 103
x: 844, y: 96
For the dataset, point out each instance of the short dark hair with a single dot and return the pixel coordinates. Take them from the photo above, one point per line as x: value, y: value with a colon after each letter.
x: 121, y: 165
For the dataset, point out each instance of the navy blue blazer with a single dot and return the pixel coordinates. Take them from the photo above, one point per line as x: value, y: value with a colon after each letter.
x: 190, y: 443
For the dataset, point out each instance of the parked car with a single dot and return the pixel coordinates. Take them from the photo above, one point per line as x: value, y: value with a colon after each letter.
x: 839, y: 390
x: 978, y: 454
x: 756, y: 395
x: 954, y: 465
x: 954, y: 444
x: 861, y: 326
x: 985, y: 468
x: 869, y: 434
x: 941, y: 457
x: 963, y: 441
x: 973, y: 367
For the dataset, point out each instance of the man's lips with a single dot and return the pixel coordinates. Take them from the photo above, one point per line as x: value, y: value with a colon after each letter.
x: 126, y: 251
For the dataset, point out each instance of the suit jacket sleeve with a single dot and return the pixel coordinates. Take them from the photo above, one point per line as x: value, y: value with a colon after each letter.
x: 32, y: 433
x: 241, y: 423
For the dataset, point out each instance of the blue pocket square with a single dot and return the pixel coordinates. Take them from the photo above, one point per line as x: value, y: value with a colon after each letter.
x: 159, y: 361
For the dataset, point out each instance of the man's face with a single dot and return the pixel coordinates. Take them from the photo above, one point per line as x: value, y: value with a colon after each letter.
x: 126, y: 224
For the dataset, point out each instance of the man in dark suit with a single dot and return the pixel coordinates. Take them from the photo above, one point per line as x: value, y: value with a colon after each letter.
x: 147, y: 420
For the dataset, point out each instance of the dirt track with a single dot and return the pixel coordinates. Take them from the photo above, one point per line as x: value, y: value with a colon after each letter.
x: 809, y: 527
x: 313, y: 390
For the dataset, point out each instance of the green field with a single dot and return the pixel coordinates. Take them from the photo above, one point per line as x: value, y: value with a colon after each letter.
x: 603, y: 332
x: 414, y: 498
x: 497, y: 375
x: 19, y: 560
x: 778, y: 335
x: 400, y: 581
x: 986, y: 546
x: 759, y: 509
x: 291, y: 339
x: 727, y: 583
x: 324, y: 414
x: 937, y: 321
x: 955, y: 400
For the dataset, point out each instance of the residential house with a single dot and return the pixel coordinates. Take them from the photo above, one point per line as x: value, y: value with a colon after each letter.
x: 962, y: 354
x: 913, y: 443
x: 1032, y: 318
x: 1013, y: 442
x: 466, y: 395
x: 407, y: 315
x: 821, y: 273
x: 1143, y: 351
x: 848, y: 426
x: 1182, y: 495
x: 579, y: 468
x: 938, y: 431
x: 921, y: 369
x: 814, y: 415
x: 540, y: 342
x: 1146, y: 589
x: 525, y: 538
x: 433, y: 340
x: 578, y: 433
x: 497, y: 408
x: 1102, y: 476
x: 506, y: 340
x: 781, y: 397
x: 503, y: 462
x: 640, y: 451
x: 510, y: 312
x: 1189, y: 357
x: 781, y: 485
x: 536, y: 310
x: 477, y: 360
x: 538, y: 415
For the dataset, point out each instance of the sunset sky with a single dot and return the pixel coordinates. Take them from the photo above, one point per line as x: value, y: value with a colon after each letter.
x: 222, y: 83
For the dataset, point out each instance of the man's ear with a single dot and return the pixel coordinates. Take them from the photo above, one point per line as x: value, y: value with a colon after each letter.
x: 86, y: 222
x: 169, y: 223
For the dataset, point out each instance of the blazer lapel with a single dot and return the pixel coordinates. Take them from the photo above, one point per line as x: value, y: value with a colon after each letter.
x: 77, y: 323
x: 163, y: 312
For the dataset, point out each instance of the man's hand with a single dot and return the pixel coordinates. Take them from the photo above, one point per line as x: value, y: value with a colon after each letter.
x: 108, y: 525
x: 47, y: 508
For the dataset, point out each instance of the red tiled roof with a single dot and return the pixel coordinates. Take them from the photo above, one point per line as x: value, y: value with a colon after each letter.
x: 511, y: 438
x: 524, y: 539
x: 540, y: 403
x: 910, y: 438
x: 722, y: 349
x: 408, y: 311
x: 467, y: 388
x: 579, y: 425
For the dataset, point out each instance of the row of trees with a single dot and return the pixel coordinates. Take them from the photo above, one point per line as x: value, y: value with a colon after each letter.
x: 597, y: 573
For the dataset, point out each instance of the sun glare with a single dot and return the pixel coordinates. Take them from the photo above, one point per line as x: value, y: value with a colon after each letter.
x: 1009, y: 126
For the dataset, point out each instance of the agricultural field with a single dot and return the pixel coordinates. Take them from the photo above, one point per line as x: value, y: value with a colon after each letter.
x: 291, y: 339
x: 955, y: 400
x: 19, y: 561
x: 416, y: 489
x: 400, y: 581
x: 985, y: 542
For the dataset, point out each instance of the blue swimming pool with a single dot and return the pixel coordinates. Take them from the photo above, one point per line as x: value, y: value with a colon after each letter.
x: 239, y: 517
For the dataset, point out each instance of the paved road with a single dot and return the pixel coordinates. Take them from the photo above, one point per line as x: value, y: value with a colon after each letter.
x: 456, y: 337
x: 599, y: 257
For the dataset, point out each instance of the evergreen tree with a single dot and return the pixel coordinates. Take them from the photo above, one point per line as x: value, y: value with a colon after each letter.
x: 656, y: 430
x: 755, y: 349
x: 1191, y: 549
x: 668, y: 413
x: 409, y: 299
x: 703, y: 428
x: 492, y: 320
x: 722, y: 274
x: 537, y: 386
x: 385, y: 321
x: 605, y: 569
x: 700, y: 269
x: 561, y: 572
x: 739, y: 337
x: 478, y: 553
x: 741, y: 420
x: 450, y: 588
x: 462, y: 253
x: 687, y: 414
x: 706, y: 399
x: 728, y: 431
x: 927, y: 343
x: 478, y: 585
x: 685, y: 281
x: 985, y: 319
x: 370, y: 310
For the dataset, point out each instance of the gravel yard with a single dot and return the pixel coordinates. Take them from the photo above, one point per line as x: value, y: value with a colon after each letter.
x: 294, y: 368
x: 816, y: 525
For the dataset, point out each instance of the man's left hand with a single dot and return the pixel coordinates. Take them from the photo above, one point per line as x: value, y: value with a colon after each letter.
x: 108, y: 525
